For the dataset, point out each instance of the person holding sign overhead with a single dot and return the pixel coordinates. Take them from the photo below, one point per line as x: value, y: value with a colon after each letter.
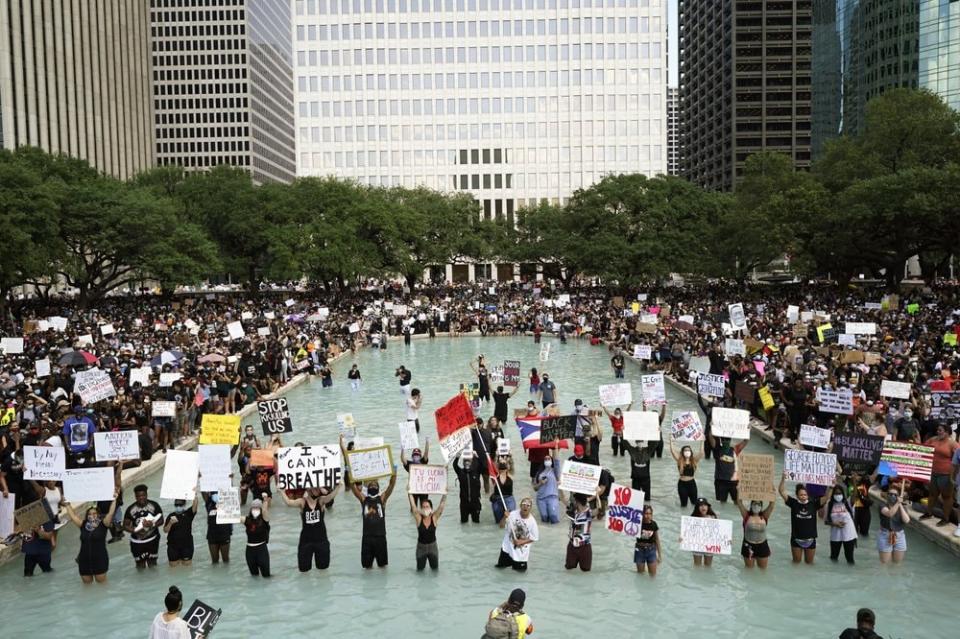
x: 687, y: 462
x: 426, y: 519
x: 755, y: 549
x: 725, y: 480
x: 803, y: 521
x: 416, y: 457
x: 257, y: 525
x: 373, y: 542
x: 93, y: 560
x: 314, y: 543
x: 179, y: 531
x: 616, y: 424
x: 702, y: 509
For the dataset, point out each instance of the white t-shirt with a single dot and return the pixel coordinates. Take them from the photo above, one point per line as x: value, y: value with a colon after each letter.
x: 838, y: 514
x: 173, y: 629
x: 413, y: 413
x: 519, y: 528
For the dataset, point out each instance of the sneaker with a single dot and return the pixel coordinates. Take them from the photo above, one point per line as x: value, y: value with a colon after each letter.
x: 942, y: 523
x: 926, y: 516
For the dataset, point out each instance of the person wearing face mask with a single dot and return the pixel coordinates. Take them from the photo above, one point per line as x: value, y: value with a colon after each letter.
x: 616, y: 424
x: 169, y: 625
x: 416, y: 457
x: 892, y: 540
x: 218, y: 535
x: 467, y: 468
x: 373, y: 511
x: 647, y: 553
x: 179, y: 531
x: 501, y: 497
x: 907, y: 429
x: 803, y: 521
x: 725, y: 472
x: 257, y: 525
x: 940, y: 487
x: 755, y: 549
x: 93, y: 560
x: 579, y: 548
x: 521, y: 531
x: 314, y: 545
x: 548, y: 496
x: 426, y: 519
x: 843, y: 530
x: 687, y: 462
x: 639, y: 466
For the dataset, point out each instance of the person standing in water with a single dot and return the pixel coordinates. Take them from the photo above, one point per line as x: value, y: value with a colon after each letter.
x: 579, y: 548
x: 354, y: 377
x: 687, y: 462
x: 314, y: 545
x: 143, y: 520
x: 179, y: 531
x: 803, y: 521
x: 257, y: 525
x: 521, y: 532
x: 755, y: 549
x: 93, y: 560
x: 169, y: 625
x: 647, y: 553
x: 467, y: 467
x: 218, y: 535
x: 508, y: 620
x: 373, y: 511
x: 483, y: 378
x: 702, y: 509
x: 426, y: 519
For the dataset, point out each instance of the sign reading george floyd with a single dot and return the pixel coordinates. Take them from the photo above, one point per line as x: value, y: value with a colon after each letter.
x: 275, y: 416
x: 711, y: 385
x: 304, y: 467
x: 557, y: 428
x: 808, y: 467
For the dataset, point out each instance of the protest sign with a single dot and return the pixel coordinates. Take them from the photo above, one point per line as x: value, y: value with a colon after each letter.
x: 275, y: 416
x: 453, y: 415
x: 766, y: 399
x: 93, y: 385
x: 408, y: 436
x: 756, y: 477
x: 731, y: 422
x: 545, y: 352
x: 511, y: 373
x: 643, y: 351
x: 705, y: 534
x: 808, y: 467
x: 347, y: 425
x: 235, y: 330
x: 88, y: 484
x: 43, y: 463
x: 624, y: 510
x: 839, y: 401
x: 945, y: 405
x: 557, y: 428
x: 847, y: 339
x: 615, y: 395
x: 455, y: 442
x: 744, y: 391
x: 261, y: 458
x: 711, y: 385
x: 858, y: 448
x: 34, y: 514
x: 180, y: 475
x: 700, y: 364
x: 687, y: 427
x: 647, y: 328
x: 371, y: 463
x: 738, y: 319
x: 140, y: 376
x: 649, y: 319
x: 58, y: 323
x: 85, y: 340
x: 912, y: 461
x: 263, y: 331
x: 641, y: 425
x: 219, y: 429
x: 309, y: 467
x: 228, y: 505
x: 815, y: 437
x: 793, y: 314
x: 42, y: 367
x: 896, y: 390
x: 11, y: 345
x: 503, y: 446
x: 653, y: 388
x: 163, y: 409
x: 116, y: 445
x: 214, y: 466
x: 368, y: 442
x: 735, y: 347
x: 427, y: 480
x: 200, y: 617
x: 106, y: 329
x: 167, y: 379
x: 577, y: 477
x: 7, y: 515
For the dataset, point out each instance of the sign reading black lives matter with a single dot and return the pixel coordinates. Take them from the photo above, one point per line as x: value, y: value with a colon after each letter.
x: 275, y: 416
x: 201, y: 618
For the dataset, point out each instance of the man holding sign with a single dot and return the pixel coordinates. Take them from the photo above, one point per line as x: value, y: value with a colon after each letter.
x: 314, y: 545
x: 373, y: 505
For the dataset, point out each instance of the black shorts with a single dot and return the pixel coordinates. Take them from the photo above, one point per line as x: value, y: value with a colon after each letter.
x: 755, y: 551
x: 180, y: 551
x: 147, y: 550
x: 373, y: 548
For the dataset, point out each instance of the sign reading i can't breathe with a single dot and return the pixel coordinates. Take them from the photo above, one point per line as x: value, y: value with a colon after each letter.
x: 309, y: 467
x: 275, y: 416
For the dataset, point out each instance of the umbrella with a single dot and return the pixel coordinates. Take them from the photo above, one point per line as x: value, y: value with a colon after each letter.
x: 77, y: 358
x: 212, y: 358
x: 109, y: 360
x: 166, y: 357
x: 684, y: 326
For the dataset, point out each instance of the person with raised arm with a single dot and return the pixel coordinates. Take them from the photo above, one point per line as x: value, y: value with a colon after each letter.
x: 687, y: 462
x: 755, y: 549
x: 93, y: 560
x: 314, y: 545
x: 426, y: 519
x: 373, y: 511
x: 803, y: 521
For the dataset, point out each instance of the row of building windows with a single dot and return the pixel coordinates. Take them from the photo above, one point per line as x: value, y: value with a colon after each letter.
x: 216, y: 59
x: 197, y: 30
x: 225, y: 44
x: 205, y: 146
x: 200, y: 117
x: 477, y: 28
x: 204, y: 132
x: 484, y: 156
x: 168, y: 17
x: 344, y: 7
x: 182, y: 104
x: 495, y: 54
x: 218, y: 73
x: 205, y: 88
x: 194, y: 161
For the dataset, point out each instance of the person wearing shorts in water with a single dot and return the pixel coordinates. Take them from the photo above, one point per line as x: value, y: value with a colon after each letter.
x: 143, y: 520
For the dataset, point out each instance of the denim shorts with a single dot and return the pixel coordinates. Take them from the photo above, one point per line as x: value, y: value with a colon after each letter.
x: 645, y: 555
x: 884, y: 545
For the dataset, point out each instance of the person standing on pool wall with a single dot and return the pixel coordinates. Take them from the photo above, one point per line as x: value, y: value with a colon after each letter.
x: 803, y: 521
x: 314, y: 543
x: 426, y: 519
x: 257, y: 525
x: 521, y: 532
x: 143, y: 521
x: 373, y: 511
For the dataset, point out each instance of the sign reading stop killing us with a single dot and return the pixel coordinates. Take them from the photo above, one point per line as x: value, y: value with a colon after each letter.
x: 275, y: 416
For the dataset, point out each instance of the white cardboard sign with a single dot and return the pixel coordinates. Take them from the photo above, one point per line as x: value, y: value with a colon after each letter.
x: 117, y: 445
x: 427, y: 479
x: 897, y: 390
x: 88, y: 484
x: 653, y: 388
x: 731, y: 422
x: 44, y: 463
x: 180, y: 475
x: 408, y: 436
x: 641, y: 425
x: 214, y: 467
x: 705, y: 534
x: 577, y: 477
x: 813, y: 436
x: 615, y: 395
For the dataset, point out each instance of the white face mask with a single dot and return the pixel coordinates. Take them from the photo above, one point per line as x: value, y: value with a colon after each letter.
x: 755, y: 509
x: 548, y: 463
x: 838, y: 498
x: 687, y: 453
x: 255, y: 513
x: 427, y: 512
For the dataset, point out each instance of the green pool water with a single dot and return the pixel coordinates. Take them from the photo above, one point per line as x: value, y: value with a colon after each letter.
x: 913, y: 599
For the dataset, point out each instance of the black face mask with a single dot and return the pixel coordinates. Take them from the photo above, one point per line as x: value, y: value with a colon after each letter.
x: 373, y: 491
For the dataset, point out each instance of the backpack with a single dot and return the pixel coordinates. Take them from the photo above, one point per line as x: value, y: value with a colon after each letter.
x: 503, y: 626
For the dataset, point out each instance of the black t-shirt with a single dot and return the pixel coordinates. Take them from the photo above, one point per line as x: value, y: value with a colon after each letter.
x: 500, y: 405
x: 647, y: 536
x: 182, y: 531
x: 258, y: 530
x: 311, y: 519
x: 374, y: 524
x: 405, y: 378
x: 136, y: 512
x: 803, y: 519
x: 617, y: 361
x: 854, y: 633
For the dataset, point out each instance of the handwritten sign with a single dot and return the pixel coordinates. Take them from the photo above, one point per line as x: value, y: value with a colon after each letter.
x: 756, y: 477
x: 347, y: 425
x: 116, y: 445
x: 140, y: 376
x: 625, y: 510
x: 371, y: 463
x: 235, y: 330
x: 408, y: 436
x: 453, y: 415
x: 808, y: 467
x: 766, y: 399
x: 711, y: 385
x: 88, y: 484
x: 427, y: 480
x: 180, y: 475
x: 615, y: 395
x: 7, y: 514
x: 11, y: 345
x: 43, y: 463
x: 42, y: 367
x: 214, y: 466
x: 643, y: 351
x: 220, y: 429
x: 731, y: 422
x: 163, y: 409
x: 815, y: 437
x: 93, y: 385
x: 545, y: 352
x: 735, y: 347
x: 577, y: 477
x: 912, y: 461
x: 452, y: 444
x: 705, y: 534
x: 228, y: 505
x: 896, y: 390
x: 511, y: 373
x: 838, y: 401
x: 687, y: 427
x: 557, y: 428
x: 307, y: 467
x: 861, y: 328
x: 200, y: 617
x: 275, y: 416
x: 33, y: 515
x: 653, y: 388
x: 261, y: 458
x: 639, y: 425
x: 167, y: 379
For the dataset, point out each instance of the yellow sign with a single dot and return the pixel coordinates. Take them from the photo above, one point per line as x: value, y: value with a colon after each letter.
x: 220, y: 429
x: 821, y: 329
x: 950, y: 339
x: 766, y: 398
x: 635, y: 307
x: 6, y: 417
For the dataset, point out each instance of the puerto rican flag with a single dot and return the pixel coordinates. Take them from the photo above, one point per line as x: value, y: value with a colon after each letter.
x: 530, y: 434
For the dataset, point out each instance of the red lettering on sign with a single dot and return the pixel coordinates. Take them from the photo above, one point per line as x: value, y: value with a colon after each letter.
x: 453, y: 416
x: 621, y: 496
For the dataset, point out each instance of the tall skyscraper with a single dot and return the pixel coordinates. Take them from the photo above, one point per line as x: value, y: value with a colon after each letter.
x: 673, y: 132
x: 513, y: 101
x: 75, y: 79
x: 745, y: 85
x: 223, y: 85
x: 939, y: 50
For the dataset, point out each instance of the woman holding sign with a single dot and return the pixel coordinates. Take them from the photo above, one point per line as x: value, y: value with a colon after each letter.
x: 755, y: 549
x: 257, y: 525
x: 93, y: 560
x: 687, y: 462
x: 803, y: 521
x: 427, y: 519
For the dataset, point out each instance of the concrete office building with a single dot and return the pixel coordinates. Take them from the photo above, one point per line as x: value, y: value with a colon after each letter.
x: 513, y: 101
x: 223, y: 85
x: 745, y: 85
x: 75, y: 79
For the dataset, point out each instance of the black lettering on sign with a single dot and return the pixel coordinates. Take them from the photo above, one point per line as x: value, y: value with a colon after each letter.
x: 275, y: 416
